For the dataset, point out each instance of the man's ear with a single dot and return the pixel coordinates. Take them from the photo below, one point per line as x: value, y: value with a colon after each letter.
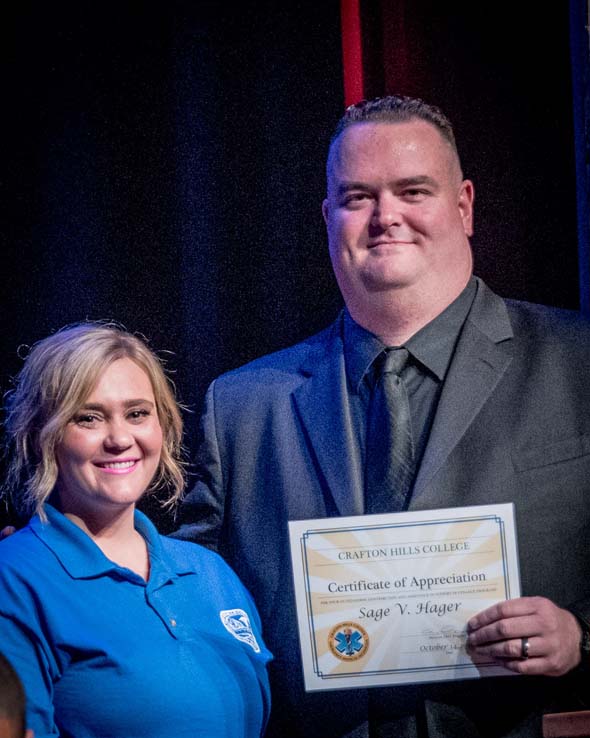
x: 465, y: 203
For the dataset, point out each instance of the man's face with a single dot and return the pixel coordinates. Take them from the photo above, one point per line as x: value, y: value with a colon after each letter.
x: 397, y: 212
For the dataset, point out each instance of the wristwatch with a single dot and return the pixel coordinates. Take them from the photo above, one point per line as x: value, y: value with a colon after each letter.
x: 585, y: 642
x: 581, y: 616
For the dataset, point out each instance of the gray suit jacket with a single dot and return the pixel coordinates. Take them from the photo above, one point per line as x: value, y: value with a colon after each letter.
x: 512, y: 425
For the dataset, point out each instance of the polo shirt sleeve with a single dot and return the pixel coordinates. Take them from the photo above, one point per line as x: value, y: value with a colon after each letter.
x: 23, y: 644
x: 224, y: 586
x: 265, y: 655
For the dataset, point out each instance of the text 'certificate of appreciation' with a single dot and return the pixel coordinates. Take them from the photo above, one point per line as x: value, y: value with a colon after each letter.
x: 385, y: 599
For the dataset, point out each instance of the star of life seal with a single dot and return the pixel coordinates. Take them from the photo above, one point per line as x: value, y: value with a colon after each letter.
x: 237, y: 623
x: 348, y: 641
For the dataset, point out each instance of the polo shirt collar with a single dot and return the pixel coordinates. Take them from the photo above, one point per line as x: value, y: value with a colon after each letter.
x: 82, y: 558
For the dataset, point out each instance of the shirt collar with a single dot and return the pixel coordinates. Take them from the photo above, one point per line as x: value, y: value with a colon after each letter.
x: 361, y: 348
x: 82, y: 558
x: 432, y: 345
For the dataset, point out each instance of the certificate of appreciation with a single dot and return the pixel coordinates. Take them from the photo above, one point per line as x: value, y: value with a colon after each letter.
x: 385, y: 599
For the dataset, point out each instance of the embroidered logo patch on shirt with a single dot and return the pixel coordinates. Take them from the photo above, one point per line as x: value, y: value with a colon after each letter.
x: 237, y: 623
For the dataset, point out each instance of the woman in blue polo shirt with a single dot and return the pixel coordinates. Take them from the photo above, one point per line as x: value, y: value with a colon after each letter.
x: 113, y: 629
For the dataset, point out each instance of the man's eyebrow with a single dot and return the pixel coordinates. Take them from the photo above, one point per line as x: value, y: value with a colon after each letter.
x: 421, y: 179
x: 417, y: 180
x: 345, y: 187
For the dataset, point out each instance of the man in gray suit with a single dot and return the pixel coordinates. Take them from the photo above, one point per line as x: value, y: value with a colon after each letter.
x: 500, y: 412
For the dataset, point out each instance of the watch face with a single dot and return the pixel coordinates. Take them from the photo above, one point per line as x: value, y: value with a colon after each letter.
x: 585, y: 643
x: 585, y: 639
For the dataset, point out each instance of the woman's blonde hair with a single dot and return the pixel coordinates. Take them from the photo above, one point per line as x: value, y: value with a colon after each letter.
x: 58, y: 375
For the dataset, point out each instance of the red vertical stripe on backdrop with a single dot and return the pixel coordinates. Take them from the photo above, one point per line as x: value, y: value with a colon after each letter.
x: 352, y: 51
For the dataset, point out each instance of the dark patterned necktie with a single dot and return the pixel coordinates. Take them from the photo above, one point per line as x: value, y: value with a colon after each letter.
x: 389, y: 465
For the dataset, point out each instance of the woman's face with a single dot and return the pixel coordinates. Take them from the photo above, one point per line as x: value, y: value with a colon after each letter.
x: 111, y: 448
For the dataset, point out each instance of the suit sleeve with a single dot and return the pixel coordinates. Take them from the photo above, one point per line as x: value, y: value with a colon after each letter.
x: 201, y: 513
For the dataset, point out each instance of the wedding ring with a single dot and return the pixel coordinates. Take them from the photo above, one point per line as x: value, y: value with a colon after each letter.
x: 524, y: 648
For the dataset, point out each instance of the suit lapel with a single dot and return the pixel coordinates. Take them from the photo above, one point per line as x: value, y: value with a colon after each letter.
x: 321, y: 402
x: 483, y: 353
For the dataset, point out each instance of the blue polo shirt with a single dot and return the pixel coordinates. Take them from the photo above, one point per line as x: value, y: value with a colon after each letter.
x: 103, y: 653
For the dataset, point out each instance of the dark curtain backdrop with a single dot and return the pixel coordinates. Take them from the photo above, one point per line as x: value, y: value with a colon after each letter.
x: 502, y: 72
x: 164, y: 168
x: 163, y: 163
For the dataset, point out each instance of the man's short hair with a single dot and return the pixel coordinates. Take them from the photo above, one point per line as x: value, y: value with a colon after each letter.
x: 12, y: 697
x: 396, y: 109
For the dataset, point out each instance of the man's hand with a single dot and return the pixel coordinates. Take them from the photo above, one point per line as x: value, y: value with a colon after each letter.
x: 553, y: 636
x: 8, y: 531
